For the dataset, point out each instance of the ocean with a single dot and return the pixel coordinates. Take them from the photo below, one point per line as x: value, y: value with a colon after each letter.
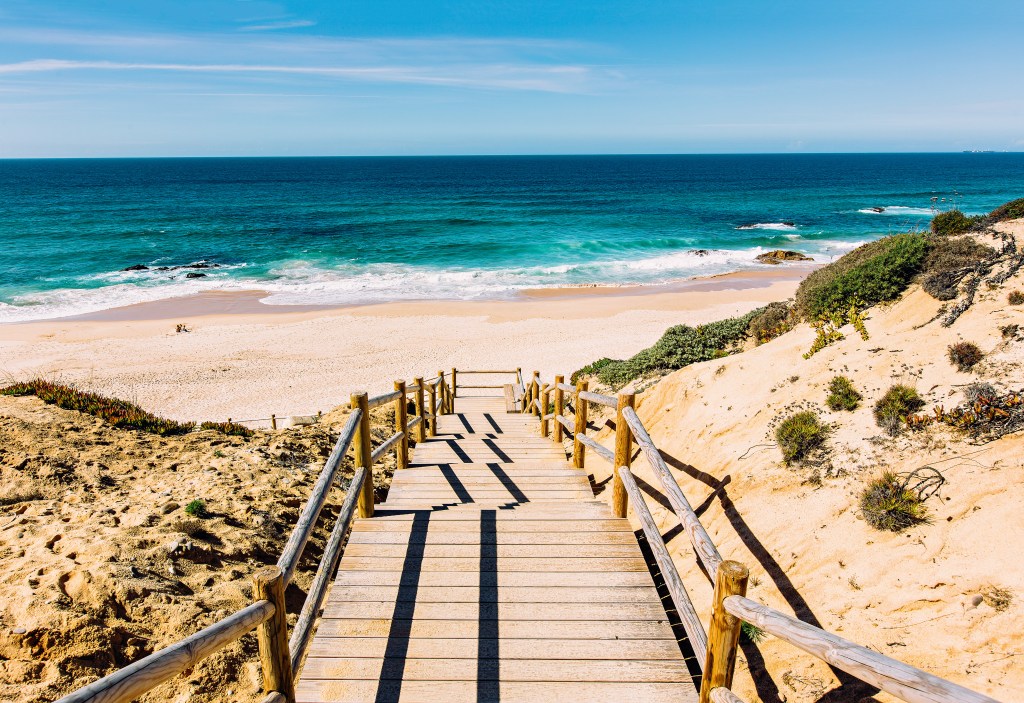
x: 358, y: 230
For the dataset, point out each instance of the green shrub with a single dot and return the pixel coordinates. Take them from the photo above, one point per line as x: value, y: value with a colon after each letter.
x: 887, y: 504
x: 953, y: 222
x: 964, y: 355
x: 873, y: 273
x: 772, y: 321
x: 751, y: 632
x: 1012, y: 210
x: 842, y: 395
x: 1015, y: 297
x: 592, y: 368
x: 680, y: 346
x: 799, y: 434
x: 948, y: 254
x: 892, y: 409
x: 197, y: 508
x: 119, y: 413
x: 229, y: 428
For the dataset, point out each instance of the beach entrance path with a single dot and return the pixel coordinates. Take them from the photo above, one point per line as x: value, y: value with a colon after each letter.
x: 492, y: 574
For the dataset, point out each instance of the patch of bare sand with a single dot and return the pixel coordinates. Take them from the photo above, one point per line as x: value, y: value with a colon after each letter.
x: 100, y: 564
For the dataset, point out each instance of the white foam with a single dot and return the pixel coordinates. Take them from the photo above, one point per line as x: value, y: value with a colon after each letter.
x: 900, y: 210
x: 777, y: 226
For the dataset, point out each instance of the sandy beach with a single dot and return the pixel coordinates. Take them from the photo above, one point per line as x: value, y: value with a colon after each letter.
x: 244, y: 359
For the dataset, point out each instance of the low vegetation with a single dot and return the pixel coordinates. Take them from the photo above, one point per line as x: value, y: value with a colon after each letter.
x: 750, y: 632
x: 893, y: 408
x: 119, y: 413
x: 773, y: 320
x: 948, y: 261
x: 197, y: 508
x: 954, y: 222
x: 985, y: 414
x: 873, y: 273
x: 1015, y: 297
x: 842, y: 395
x: 680, y: 346
x: 965, y: 355
x: 887, y: 504
x: 799, y: 434
x: 1013, y: 210
x: 228, y: 428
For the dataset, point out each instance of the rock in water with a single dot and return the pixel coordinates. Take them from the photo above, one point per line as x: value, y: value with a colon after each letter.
x: 192, y: 274
x: 780, y: 255
x: 137, y: 267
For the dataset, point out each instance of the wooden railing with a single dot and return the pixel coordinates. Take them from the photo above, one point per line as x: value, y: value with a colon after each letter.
x: 281, y: 656
x: 730, y: 607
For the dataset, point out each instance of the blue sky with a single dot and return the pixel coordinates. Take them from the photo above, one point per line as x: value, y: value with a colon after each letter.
x: 249, y: 77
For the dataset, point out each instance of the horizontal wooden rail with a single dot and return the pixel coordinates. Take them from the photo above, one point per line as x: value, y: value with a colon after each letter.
x: 378, y: 400
x: 135, y: 679
x: 702, y: 544
x: 892, y: 676
x: 413, y: 421
x: 274, y: 697
x: 513, y: 371
x: 410, y: 390
x: 566, y: 387
x: 464, y: 386
x: 606, y: 400
x: 566, y: 423
x: 550, y: 416
x: 680, y: 598
x: 724, y: 695
x: 603, y: 452
x: 388, y: 443
x: 296, y: 543
x: 302, y: 633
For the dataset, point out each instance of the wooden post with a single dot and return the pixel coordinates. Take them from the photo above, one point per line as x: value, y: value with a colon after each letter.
x: 361, y: 451
x: 273, y: 421
x: 623, y: 454
x: 421, y: 429
x: 402, y: 425
x: 544, y: 398
x: 272, y: 635
x: 455, y: 386
x: 724, y: 635
x: 442, y: 389
x: 432, y: 410
x: 535, y: 392
x: 559, y: 406
x: 580, y: 428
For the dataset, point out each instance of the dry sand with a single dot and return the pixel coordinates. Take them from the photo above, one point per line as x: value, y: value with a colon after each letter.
x: 244, y: 360
x: 925, y: 596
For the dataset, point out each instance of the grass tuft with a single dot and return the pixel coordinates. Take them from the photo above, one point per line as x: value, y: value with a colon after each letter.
x: 888, y: 505
x: 228, y: 428
x: 1015, y: 297
x: 965, y: 355
x: 752, y: 633
x: 799, y: 434
x: 842, y: 395
x: 197, y: 509
x: 892, y: 409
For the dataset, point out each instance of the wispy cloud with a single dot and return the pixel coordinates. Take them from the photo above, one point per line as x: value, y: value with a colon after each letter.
x: 273, y: 26
x: 562, y: 78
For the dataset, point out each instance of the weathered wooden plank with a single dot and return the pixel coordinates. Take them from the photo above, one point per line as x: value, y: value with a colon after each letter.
x: 531, y: 551
x: 506, y: 648
x: 501, y: 564
x: 657, y: 671
x: 396, y: 524
x: 507, y: 579
x: 579, y: 510
x: 437, y: 478
x: 318, y: 691
x: 500, y: 611
x: 507, y: 594
x: 396, y: 537
x: 474, y: 495
x: 515, y: 629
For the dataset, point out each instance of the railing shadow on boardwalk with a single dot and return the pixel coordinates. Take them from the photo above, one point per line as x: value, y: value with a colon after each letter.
x: 850, y: 688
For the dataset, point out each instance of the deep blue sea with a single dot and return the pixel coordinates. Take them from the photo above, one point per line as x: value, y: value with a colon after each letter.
x: 355, y: 230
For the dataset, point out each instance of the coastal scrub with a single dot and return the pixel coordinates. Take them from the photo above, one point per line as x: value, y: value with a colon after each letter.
x: 799, y: 434
x: 887, y: 504
x: 893, y: 408
x: 842, y: 395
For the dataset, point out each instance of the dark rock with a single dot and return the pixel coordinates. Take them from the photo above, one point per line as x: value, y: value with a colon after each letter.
x: 789, y: 224
x: 137, y: 267
x: 780, y: 255
x: 877, y: 209
x: 699, y: 252
x: 163, y: 268
x: 192, y: 274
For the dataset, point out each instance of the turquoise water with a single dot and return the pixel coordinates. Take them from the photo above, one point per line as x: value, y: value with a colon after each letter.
x: 356, y: 230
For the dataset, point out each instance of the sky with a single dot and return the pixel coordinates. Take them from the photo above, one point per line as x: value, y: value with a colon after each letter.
x: 84, y: 78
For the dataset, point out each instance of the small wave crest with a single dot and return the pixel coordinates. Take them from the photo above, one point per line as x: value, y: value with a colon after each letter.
x: 778, y: 226
x: 898, y: 210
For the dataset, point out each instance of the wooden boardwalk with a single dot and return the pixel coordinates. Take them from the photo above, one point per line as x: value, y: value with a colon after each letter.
x: 492, y: 574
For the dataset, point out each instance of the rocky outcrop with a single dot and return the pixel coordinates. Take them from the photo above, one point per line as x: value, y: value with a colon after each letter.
x: 779, y: 256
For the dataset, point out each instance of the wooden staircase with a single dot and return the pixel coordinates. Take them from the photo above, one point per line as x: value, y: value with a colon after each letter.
x: 492, y: 574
